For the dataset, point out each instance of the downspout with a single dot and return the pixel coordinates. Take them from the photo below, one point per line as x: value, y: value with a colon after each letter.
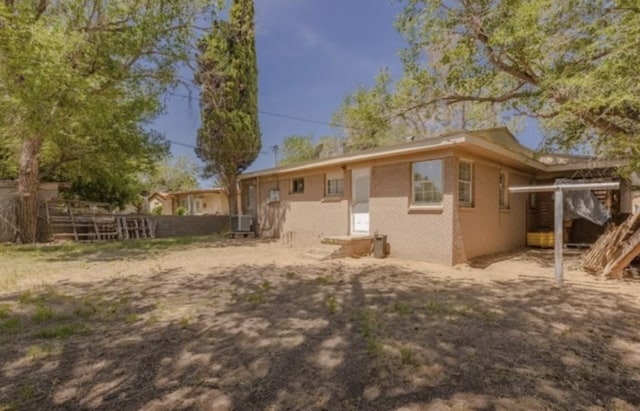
x: 256, y: 212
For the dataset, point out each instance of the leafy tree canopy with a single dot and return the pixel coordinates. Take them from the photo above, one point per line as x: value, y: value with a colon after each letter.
x: 570, y: 64
x: 80, y: 80
x: 297, y: 149
x: 178, y: 174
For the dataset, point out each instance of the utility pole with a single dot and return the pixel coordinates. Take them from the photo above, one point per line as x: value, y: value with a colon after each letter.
x: 276, y: 154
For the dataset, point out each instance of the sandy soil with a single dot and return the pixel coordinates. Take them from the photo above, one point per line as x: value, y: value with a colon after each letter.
x: 251, y: 325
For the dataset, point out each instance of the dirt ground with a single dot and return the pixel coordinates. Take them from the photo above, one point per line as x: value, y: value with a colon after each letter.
x: 252, y: 325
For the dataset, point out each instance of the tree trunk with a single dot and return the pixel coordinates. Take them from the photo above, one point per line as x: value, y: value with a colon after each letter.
x: 232, y: 191
x: 28, y: 181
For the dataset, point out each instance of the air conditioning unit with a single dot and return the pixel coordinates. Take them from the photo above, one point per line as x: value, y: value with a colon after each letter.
x: 241, y: 223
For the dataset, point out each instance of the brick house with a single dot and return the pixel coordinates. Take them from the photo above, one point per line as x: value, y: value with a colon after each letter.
x: 443, y: 199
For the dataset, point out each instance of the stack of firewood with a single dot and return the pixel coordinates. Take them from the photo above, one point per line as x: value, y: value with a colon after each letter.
x: 615, y: 249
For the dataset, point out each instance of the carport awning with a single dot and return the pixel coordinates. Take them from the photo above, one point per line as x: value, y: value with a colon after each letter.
x: 559, y: 190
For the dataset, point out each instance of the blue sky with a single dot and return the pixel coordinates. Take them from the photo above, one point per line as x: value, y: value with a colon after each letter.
x: 311, y: 53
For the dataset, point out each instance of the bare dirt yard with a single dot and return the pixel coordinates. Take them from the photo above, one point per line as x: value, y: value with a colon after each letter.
x: 251, y: 325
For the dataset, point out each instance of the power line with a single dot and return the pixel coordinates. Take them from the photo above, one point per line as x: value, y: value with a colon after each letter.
x: 280, y: 115
x: 178, y: 143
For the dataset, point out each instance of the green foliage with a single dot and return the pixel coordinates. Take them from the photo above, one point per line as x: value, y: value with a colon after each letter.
x: 42, y: 313
x: 64, y: 331
x: 157, y: 210
x: 118, y: 191
x: 5, y: 310
x: 570, y: 64
x: 401, y: 308
x: 229, y: 138
x: 332, y: 304
x: 297, y: 149
x: 365, y: 113
x: 79, y: 80
x: 181, y: 211
x: 10, y: 324
x: 179, y: 174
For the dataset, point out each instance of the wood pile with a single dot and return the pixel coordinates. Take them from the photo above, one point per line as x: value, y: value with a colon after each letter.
x: 615, y: 249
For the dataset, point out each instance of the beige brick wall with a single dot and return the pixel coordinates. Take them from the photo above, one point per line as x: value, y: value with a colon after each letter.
x: 485, y: 228
x: 413, y: 234
x: 448, y: 235
x: 302, y: 218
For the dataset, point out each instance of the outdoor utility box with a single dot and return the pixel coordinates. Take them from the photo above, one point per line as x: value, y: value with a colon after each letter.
x: 380, y: 246
x: 241, y: 223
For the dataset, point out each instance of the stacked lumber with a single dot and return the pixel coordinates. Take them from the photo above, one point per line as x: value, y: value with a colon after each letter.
x: 615, y: 249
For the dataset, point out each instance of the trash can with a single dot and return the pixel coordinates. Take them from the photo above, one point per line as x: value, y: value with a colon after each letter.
x: 380, y: 246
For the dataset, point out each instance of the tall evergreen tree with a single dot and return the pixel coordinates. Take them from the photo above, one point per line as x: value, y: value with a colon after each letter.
x: 229, y: 138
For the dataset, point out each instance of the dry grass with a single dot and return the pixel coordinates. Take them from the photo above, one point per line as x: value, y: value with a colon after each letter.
x: 252, y: 326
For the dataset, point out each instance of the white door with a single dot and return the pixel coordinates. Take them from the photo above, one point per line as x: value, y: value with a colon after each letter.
x: 360, y: 183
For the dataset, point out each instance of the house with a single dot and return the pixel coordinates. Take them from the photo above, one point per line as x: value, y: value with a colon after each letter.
x: 190, y: 202
x: 159, y: 203
x: 443, y: 199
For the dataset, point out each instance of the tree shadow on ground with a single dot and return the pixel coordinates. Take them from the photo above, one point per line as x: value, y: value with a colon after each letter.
x: 543, y: 257
x: 323, y: 337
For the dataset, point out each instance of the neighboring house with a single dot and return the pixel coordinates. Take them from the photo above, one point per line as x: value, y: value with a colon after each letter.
x: 194, y: 202
x: 159, y: 203
x: 442, y: 199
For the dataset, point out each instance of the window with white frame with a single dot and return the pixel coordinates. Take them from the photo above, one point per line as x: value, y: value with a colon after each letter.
x: 297, y: 185
x: 465, y: 183
x: 504, y: 190
x: 427, y: 182
x: 335, y: 184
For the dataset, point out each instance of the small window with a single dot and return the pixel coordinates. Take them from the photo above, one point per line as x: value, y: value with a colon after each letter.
x: 334, y: 186
x: 465, y: 183
x: 427, y: 182
x: 297, y: 185
x: 504, y: 190
x: 250, y: 198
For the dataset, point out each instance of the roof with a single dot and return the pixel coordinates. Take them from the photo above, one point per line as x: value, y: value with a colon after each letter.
x: 166, y: 195
x: 198, y: 191
x: 160, y: 194
x: 495, y: 141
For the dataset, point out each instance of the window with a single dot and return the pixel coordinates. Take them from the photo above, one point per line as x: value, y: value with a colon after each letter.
x: 335, y: 184
x: 465, y: 183
x: 250, y: 198
x: 504, y: 190
x: 427, y: 182
x: 297, y: 185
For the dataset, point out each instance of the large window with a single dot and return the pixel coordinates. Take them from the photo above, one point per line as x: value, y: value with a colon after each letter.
x: 465, y: 183
x: 504, y: 190
x: 297, y: 185
x: 335, y: 184
x: 427, y: 182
